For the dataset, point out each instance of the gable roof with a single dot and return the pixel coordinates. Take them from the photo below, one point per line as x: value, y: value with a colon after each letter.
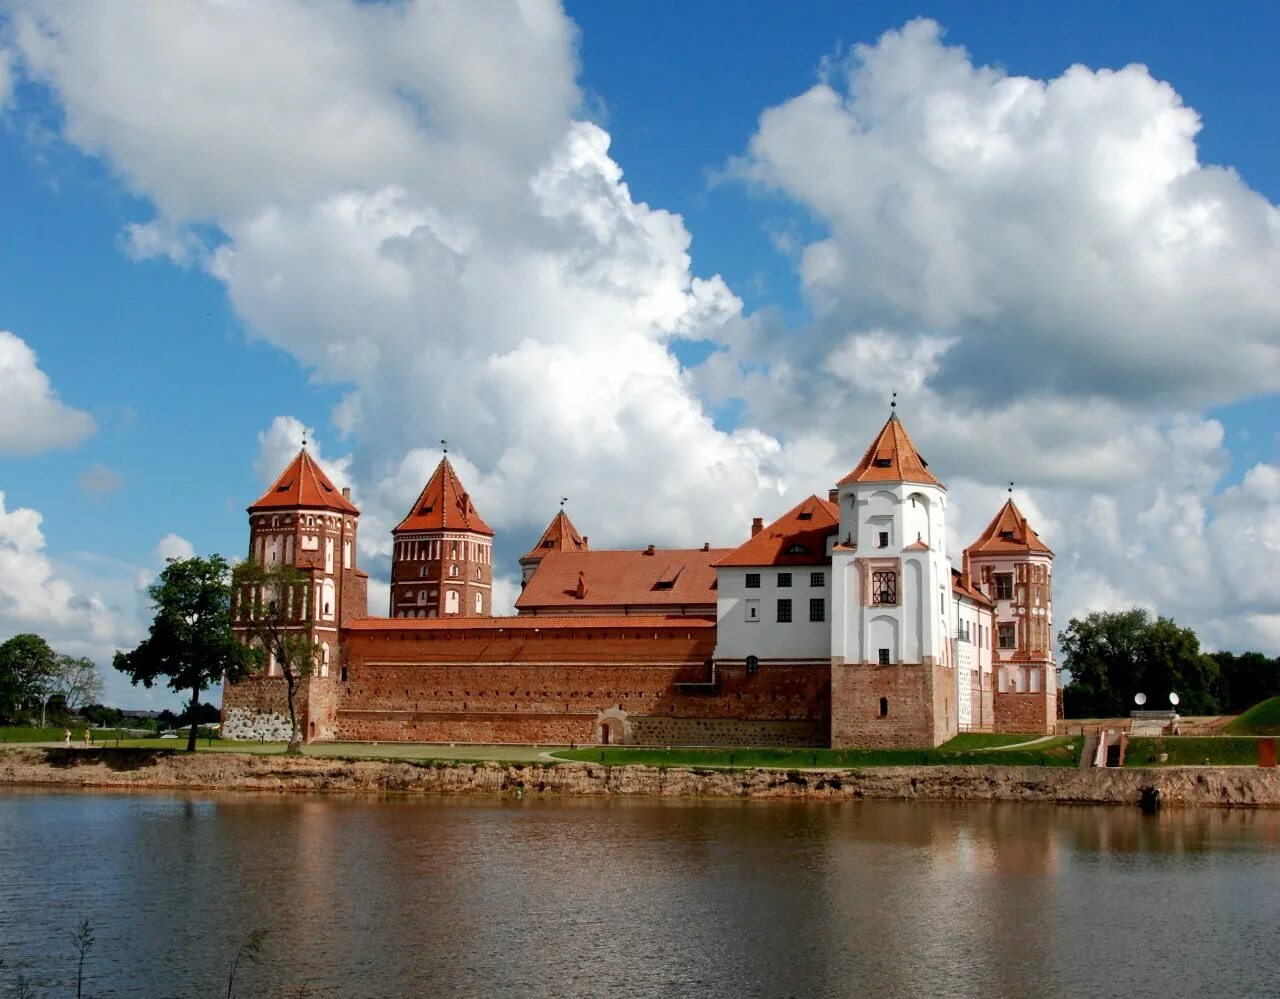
x: 608, y: 579
x: 304, y: 484
x: 959, y: 585
x: 1008, y: 534
x: 806, y: 526
x: 443, y: 504
x: 560, y: 535
x: 892, y: 457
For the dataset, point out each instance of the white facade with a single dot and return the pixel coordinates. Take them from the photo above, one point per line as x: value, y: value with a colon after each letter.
x: 747, y: 616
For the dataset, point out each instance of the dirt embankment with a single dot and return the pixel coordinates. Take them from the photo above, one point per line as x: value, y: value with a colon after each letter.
x: 166, y: 769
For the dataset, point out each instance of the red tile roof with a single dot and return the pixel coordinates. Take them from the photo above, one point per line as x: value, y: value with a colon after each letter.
x: 560, y: 535
x: 527, y: 623
x: 806, y: 526
x: 682, y: 577
x: 972, y: 592
x: 1008, y: 534
x: 444, y: 505
x: 304, y: 485
x: 892, y: 457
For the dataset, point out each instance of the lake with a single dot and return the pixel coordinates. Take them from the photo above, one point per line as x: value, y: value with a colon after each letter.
x: 430, y: 896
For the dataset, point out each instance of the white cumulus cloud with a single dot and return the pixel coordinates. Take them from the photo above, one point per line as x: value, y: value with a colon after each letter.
x: 32, y: 417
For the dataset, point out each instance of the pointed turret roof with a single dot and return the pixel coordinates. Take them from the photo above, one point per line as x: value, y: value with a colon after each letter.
x: 892, y: 457
x: 1008, y: 534
x: 304, y: 484
x: 560, y: 536
x: 444, y: 505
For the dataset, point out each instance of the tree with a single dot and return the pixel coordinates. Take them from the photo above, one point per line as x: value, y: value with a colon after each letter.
x: 1246, y: 679
x: 277, y: 619
x: 190, y: 641
x: 75, y: 681
x: 25, y: 661
x: 1113, y: 655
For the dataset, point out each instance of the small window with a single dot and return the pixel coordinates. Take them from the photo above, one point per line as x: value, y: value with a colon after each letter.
x: 884, y: 705
x: 784, y: 610
x: 817, y: 579
x: 479, y: 603
x: 453, y: 571
x: 753, y: 665
x: 753, y: 581
x: 797, y: 550
x: 753, y: 610
x: 1007, y: 636
x: 883, y: 540
x: 784, y: 579
x: 884, y: 657
x: 884, y: 587
x: 817, y: 609
x: 342, y: 673
x: 883, y: 463
x: 1004, y: 586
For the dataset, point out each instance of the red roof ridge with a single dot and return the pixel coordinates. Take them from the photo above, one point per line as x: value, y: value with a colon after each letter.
x: 892, y: 457
x: 304, y: 484
x: 1009, y: 532
x: 441, y: 499
x: 806, y: 527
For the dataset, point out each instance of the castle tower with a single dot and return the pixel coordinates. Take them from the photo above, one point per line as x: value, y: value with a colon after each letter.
x: 560, y: 536
x: 442, y: 564
x: 303, y: 521
x: 892, y: 679
x: 1014, y: 568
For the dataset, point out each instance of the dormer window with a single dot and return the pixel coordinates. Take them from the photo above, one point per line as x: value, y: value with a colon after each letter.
x: 797, y: 550
x: 805, y: 515
x: 883, y: 463
x: 1007, y: 535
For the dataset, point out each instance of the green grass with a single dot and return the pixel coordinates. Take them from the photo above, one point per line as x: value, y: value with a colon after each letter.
x: 1261, y: 719
x: 52, y: 733
x: 1217, y: 750
x: 966, y: 741
x: 1056, y: 752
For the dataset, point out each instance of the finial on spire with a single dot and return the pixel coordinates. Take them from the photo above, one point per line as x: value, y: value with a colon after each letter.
x: 893, y: 402
x: 304, y: 438
x: 444, y: 445
x: 563, y: 501
x: 1010, y: 488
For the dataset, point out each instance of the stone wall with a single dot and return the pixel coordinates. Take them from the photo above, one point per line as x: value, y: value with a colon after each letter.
x: 920, y: 701
x: 654, y: 731
x: 1031, y: 713
x: 257, y: 709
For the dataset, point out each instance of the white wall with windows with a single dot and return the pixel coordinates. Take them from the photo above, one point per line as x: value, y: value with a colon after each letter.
x: 751, y: 600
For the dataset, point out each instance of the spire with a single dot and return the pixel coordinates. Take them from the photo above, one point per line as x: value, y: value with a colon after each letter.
x: 444, y: 504
x: 560, y: 536
x: 1008, y: 533
x: 892, y: 457
x: 304, y: 484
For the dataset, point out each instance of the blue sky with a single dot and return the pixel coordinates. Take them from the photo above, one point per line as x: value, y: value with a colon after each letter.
x: 181, y: 379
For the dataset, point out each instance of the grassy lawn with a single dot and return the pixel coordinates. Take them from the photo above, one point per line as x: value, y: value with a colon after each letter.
x: 1057, y: 752
x: 1261, y: 719
x: 987, y: 740
x: 1192, y: 751
x: 11, y: 733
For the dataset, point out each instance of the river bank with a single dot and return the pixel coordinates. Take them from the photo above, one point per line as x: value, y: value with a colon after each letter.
x: 169, y: 770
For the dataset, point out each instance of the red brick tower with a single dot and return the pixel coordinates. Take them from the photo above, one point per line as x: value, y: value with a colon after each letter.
x: 442, y: 561
x: 303, y: 520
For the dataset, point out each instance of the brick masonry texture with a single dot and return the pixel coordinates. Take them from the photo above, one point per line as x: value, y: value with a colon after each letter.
x: 1024, y: 713
x: 919, y: 701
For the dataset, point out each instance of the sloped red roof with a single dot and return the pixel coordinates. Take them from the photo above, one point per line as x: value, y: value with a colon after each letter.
x: 1008, y: 534
x: 806, y: 526
x: 444, y: 504
x: 622, y: 579
x: 972, y: 592
x: 892, y: 457
x: 304, y: 484
x: 527, y: 623
x: 560, y: 535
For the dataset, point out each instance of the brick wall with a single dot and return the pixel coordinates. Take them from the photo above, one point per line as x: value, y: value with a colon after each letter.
x: 258, y: 708
x: 727, y: 732
x: 920, y: 699
x: 1031, y: 713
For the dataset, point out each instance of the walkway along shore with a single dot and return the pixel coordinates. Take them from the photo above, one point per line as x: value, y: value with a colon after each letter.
x: 172, y: 770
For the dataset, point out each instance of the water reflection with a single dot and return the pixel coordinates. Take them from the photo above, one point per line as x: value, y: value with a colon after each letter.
x: 426, y: 896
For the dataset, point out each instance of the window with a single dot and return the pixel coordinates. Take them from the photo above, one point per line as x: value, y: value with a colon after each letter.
x: 479, y: 603
x: 884, y: 587
x: 453, y: 571
x: 753, y: 581
x: 784, y: 610
x: 797, y: 550
x: 1004, y: 586
x: 753, y: 665
x: 477, y: 572
x: 884, y: 707
x: 884, y: 657
x: 451, y: 602
x: 817, y: 579
x: 1007, y: 636
x: 884, y: 540
x: 784, y: 579
x: 817, y: 609
x: 753, y: 610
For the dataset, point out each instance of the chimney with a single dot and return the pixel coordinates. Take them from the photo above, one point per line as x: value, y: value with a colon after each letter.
x: 706, y: 546
x: 586, y: 541
x: 581, y: 591
x: 833, y: 495
x: 649, y: 550
x: 757, y: 525
x: 346, y: 492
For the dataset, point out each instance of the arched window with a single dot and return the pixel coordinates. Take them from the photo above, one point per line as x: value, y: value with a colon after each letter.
x: 422, y: 596
x: 324, y: 659
x: 479, y: 603
x: 327, y: 599
x: 451, y: 602
x: 884, y: 707
x: 453, y: 571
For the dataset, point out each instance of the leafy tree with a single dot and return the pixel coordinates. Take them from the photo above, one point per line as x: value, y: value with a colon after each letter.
x: 100, y: 714
x: 73, y: 683
x: 1246, y: 679
x: 1112, y: 655
x: 25, y: 661
x: 277, y: 619
x: 190, y: 642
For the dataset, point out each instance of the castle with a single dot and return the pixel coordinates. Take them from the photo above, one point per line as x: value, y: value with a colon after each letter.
x: 841, y: 623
